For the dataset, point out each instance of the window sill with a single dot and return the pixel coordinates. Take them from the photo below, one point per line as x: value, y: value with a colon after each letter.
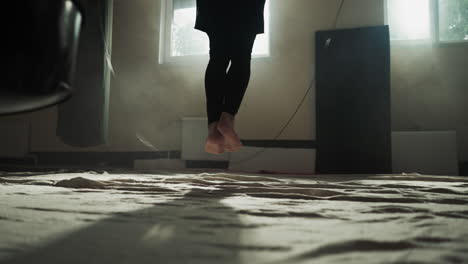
x: 426, y: 43
x: 403, y: 43
x: 184, y: 60
x: 452, y: 43
x: 203, y: 59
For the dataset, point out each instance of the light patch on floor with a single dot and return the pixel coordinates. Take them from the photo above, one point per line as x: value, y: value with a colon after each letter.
x: 219, y: 217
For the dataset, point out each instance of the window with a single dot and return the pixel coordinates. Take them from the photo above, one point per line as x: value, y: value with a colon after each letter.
x: 179, y: 39
x: 453, y: 20
x: 409, y: 19
x: 428, y: 20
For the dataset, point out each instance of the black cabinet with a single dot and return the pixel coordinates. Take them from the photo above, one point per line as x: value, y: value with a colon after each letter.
x: 353, y: 101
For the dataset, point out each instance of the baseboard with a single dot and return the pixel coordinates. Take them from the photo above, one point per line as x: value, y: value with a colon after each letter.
x: 127, y: 159
x: 23, y: 161
x: 302, y: 144
x: 102, y: 159
x: 116, y: 160
x: 206, y: 164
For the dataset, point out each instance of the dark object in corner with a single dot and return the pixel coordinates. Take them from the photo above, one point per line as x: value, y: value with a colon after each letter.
x: 41, y: 46
x: 83, y: 121
x: 353, y: 101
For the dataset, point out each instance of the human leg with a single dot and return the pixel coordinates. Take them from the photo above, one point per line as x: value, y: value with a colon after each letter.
x: 216, y: 76
x: 237, y: 81
x: 215, y: 83
x: 238, y: 76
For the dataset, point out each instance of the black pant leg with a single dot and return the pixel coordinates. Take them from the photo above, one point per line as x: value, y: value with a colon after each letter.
x: 238, y: 76
x: 215, y: 77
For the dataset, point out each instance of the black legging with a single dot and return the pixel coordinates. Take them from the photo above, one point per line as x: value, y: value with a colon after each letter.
x: 226, y: 89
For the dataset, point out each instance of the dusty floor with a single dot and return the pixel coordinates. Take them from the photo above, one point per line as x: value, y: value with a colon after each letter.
x: 219, y: 217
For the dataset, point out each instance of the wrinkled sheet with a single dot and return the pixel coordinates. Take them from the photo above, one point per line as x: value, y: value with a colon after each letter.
x: 222, y: 217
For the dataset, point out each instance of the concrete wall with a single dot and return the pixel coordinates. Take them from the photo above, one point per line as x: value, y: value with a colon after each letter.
x: 148, y: 100
x: 429, y: 89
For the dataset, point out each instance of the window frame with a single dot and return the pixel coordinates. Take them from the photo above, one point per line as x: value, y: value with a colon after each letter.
x: 165, y: 38
x: 435, y: 29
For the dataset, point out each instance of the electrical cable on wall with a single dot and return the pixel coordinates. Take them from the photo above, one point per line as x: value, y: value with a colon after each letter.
x: 300, y: 104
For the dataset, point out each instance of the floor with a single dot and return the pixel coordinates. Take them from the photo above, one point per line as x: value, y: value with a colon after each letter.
x: 222, y: 217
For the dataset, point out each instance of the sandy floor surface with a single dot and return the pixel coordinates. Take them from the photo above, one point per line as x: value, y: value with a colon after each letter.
x: 219, y: 217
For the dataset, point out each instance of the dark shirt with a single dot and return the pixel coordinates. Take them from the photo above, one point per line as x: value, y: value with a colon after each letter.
x: 216, y: 16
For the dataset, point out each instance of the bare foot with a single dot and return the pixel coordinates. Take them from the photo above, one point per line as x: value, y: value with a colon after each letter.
x: 215, y: 141
x: 226, y: 128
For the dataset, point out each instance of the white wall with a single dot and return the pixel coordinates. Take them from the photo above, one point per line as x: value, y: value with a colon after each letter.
x: 429, y: 90
x: 428, y: 84
x: 149, y: 99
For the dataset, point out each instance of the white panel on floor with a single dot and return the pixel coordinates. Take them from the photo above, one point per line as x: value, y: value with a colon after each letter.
x: 14, y: 138
x: 282, y: 160
x: 159, y: 164
x: 425, y: 152
x: 194, y: 134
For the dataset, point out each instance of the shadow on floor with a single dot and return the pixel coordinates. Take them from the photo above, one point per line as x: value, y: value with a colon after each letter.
x: 196, y: 228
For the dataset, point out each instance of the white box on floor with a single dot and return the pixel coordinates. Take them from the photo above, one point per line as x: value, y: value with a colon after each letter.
x: 194, y: 135
x: 425, y: 152
x: 281, y: 160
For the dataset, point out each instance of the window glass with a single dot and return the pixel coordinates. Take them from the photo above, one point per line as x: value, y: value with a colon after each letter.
x: 185, y: 40
x: 453, y: 20
x: 409, y: 19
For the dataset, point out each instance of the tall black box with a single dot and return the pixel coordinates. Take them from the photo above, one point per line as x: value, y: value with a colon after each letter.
x: 353, y: 101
